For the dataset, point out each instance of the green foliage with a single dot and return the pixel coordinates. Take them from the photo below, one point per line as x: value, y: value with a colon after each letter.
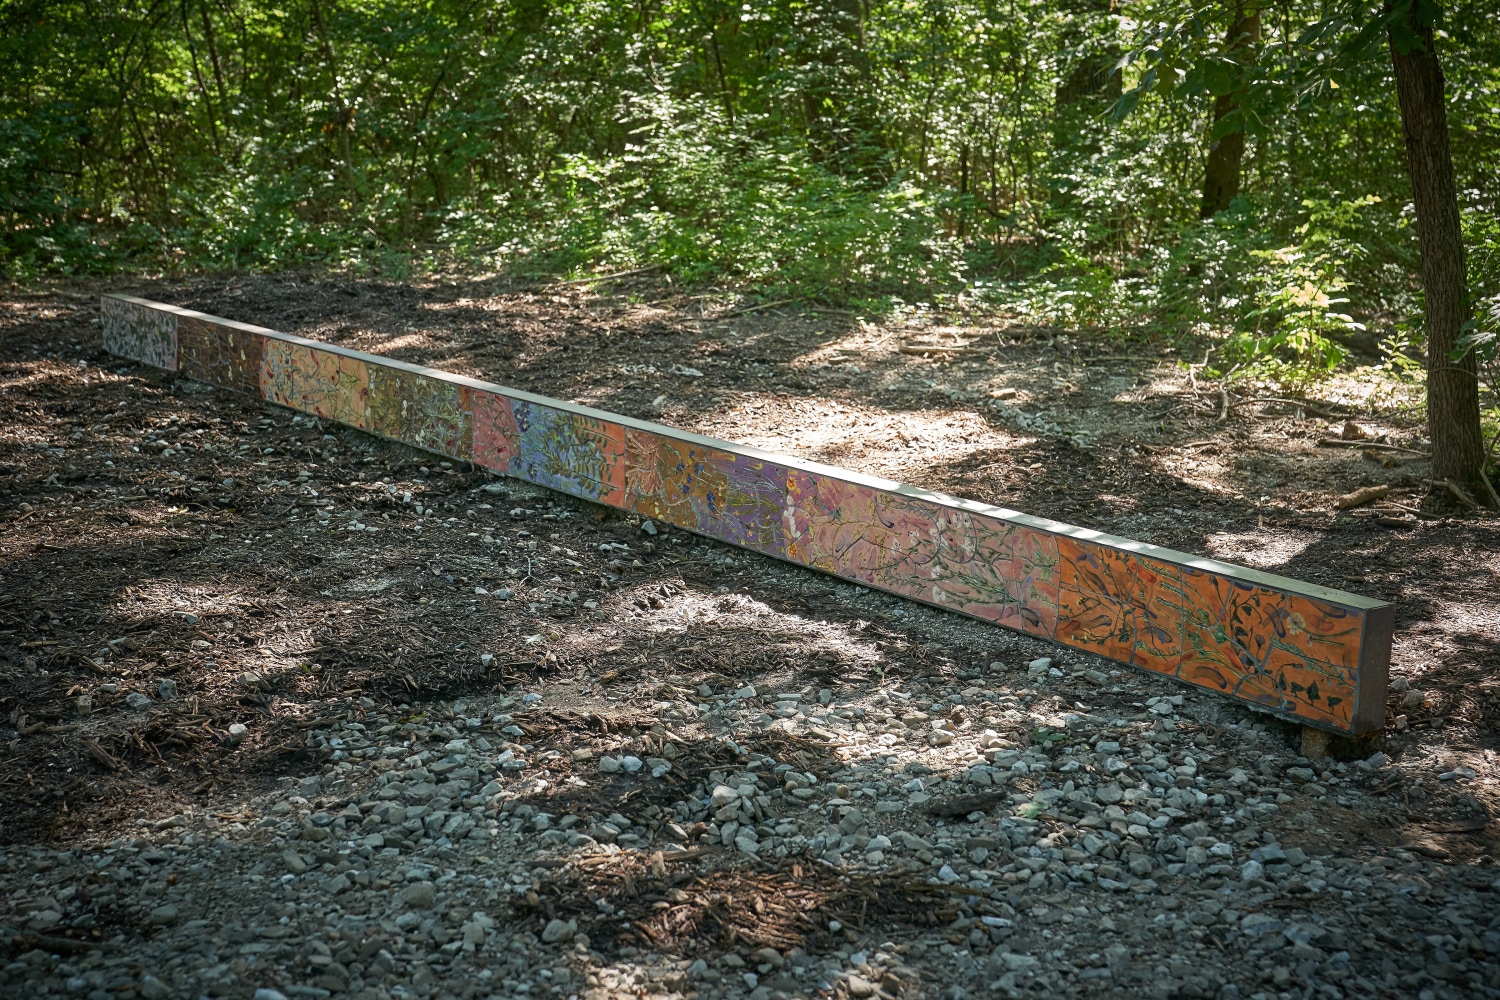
x: 836, y: 148
x: 1295, y: 325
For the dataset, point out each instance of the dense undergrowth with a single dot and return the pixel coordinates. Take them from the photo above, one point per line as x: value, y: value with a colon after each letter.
x: 846, y: 151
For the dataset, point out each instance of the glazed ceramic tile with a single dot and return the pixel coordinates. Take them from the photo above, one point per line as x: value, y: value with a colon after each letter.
x: 1309, y: 654
x: 137, y: 331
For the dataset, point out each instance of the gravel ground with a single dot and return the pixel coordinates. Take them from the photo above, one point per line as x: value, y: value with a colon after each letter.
x: 1046, y: 825
x: 289, y: 711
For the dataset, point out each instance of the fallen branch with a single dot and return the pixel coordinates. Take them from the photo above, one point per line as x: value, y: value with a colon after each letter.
x: 750, y: 309
x: 1312, y: 408
x: 919, y: 349
x: 1458, y: 493
x: 1362, y: 496
x: 1410, y: 510
x: 1490, y: 489
x: 1341, y: 443
x: 104, y: 757
x: 612, y: 277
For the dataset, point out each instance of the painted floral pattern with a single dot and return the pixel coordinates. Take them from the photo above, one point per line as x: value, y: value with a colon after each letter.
x: 139, y: 332
x: 1277, y: 645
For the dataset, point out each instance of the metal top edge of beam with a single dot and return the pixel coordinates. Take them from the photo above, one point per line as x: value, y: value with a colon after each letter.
x: 1245, y: 574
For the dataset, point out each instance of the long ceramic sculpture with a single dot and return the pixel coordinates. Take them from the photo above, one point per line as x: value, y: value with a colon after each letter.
x: 1316, y: 656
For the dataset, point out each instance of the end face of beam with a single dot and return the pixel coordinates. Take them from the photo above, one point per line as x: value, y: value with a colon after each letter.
x: 1316, y: 656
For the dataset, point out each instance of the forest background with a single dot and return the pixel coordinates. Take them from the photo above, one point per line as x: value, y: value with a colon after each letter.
x: 1234, y: 172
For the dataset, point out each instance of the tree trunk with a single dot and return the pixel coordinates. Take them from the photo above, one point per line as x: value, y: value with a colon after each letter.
x: 1452, y: 386
x: 1221, y: 175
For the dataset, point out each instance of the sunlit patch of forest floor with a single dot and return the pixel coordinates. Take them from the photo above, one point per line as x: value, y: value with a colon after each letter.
x: 231, y: 646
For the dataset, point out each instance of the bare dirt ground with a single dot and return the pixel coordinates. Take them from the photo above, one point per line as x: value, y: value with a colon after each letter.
x: 283, y: 578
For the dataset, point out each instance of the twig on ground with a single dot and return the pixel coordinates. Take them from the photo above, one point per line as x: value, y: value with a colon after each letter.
x: 1340, y: 443
x: 1410, y: 510
x: 750, y: 309
x: 1489, y: 488
x: 612, y: 277
x: 1362, y: 496
x: 1312, y: 408
x: 920, y: 349
x: 104, y: 757
x: 1457, y: 491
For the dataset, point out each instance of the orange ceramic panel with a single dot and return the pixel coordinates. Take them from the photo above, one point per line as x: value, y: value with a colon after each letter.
x: 323, y: 383
x: 497, y: 440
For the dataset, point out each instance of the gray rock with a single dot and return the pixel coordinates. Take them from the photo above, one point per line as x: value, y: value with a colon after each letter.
x: 293, y: 861
x: 154, y: 989
x: 420, y: 895
x: 164, y: 915
x: 167, y: 689
x: 136, y: 701
x: 558, y: 931
x: 1270, y: 854
x: 1109, y: 793
x: 1255, y: 924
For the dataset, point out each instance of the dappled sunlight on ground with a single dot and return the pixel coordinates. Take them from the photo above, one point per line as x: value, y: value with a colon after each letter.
x: 477, y: 657
x: 897, y: 445
x: 1260, y: 549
